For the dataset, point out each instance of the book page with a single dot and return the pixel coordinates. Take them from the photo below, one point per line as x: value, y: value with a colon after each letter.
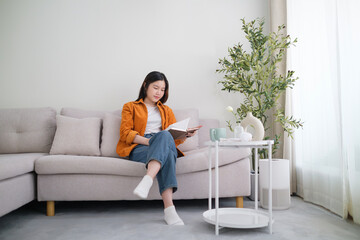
x: 182, y: 125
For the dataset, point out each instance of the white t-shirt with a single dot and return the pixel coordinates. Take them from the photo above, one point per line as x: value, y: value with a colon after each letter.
x: 154, y: 120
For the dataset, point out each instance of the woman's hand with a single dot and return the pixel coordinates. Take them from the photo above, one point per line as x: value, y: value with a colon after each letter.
x: 141, y: 140
x: 190, y: 134
x: 192, y: 131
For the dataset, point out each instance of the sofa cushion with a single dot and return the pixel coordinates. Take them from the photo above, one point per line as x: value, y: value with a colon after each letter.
x: 193, y: 142
x: 12, y: 165
x: 77, y: 136
x: 67, y: 164
x: 27, y: 130
x: 195, y: 161
x: 110, y: 135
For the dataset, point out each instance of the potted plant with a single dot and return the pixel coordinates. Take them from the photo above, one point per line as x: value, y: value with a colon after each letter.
x: 254, y: 74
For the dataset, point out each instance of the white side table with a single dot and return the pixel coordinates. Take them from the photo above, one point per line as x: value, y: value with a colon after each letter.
x: 238, y: 217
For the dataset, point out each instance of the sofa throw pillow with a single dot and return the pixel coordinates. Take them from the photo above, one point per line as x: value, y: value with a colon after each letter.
x: 76, y: 136
x: 110, y: 135
x: 193, y: 142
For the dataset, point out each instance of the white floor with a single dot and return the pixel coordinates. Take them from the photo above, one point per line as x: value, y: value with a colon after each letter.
x: 144, y: 220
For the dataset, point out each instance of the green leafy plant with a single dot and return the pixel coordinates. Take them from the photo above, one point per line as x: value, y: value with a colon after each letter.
x: 254, y: 74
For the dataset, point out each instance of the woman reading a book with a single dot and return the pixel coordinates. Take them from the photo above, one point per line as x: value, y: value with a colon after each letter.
x: 143, y: 139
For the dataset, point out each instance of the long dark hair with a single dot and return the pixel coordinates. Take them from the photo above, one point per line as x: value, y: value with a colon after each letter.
x: 150, y: 78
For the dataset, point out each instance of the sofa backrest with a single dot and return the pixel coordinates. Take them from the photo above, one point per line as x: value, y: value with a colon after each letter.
x: 111, y: 127
x: 27, y: 130
x: 204, y: 132
x: 80, y: 113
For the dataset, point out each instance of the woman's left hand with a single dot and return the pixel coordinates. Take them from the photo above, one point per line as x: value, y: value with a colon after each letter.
x: 190, y: 134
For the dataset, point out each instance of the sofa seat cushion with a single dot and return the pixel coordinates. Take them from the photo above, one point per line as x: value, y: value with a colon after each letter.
x: 71, y: 164
x: 12, y: 165
x: 197, y: 160
x: 194, y: 161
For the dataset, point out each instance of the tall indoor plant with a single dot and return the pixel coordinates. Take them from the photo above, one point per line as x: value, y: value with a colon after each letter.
x: 254, y: 74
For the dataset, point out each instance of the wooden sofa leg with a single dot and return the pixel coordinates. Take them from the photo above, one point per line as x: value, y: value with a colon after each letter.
x: 50, y: 208
x: 239, y: 202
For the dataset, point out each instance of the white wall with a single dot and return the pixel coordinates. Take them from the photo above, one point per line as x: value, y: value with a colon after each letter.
x: 94, y: 54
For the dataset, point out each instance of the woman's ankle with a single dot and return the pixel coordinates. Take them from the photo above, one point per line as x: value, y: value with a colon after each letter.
x: 167, y: 198
x: 168, y: 205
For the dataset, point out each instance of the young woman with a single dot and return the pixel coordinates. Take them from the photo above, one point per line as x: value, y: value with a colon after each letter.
x: 143, y: 139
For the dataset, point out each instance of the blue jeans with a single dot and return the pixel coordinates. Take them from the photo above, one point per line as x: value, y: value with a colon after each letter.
x: 162, y: 149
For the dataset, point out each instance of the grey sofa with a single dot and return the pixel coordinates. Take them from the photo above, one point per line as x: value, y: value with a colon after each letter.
x: 71, y: 157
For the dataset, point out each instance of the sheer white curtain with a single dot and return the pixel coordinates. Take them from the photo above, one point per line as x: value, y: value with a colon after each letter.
x: 327, y: 98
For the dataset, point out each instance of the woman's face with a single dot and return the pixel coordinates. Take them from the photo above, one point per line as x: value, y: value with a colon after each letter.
x: 155, y: 91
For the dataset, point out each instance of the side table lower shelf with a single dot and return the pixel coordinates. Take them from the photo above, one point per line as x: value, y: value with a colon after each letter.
x: 237, y: 218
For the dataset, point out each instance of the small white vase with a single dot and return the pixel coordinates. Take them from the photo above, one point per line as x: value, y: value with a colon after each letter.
x: 238, y: 130
x: 254, y: 122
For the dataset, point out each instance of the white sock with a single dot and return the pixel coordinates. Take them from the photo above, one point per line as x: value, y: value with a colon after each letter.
x: 143, y: 188
x: 171, y: 217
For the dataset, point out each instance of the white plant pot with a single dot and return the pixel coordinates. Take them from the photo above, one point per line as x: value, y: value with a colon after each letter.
x: 252, y: 181
x: 280, y: 183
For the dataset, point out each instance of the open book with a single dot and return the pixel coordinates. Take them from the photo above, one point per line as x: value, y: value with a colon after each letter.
x: 179, y: 129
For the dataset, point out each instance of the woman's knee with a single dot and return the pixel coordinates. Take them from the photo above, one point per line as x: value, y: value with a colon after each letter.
x: 164, y: 134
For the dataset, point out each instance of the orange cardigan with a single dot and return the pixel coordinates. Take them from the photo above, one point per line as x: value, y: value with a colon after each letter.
x: 133, y: 121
